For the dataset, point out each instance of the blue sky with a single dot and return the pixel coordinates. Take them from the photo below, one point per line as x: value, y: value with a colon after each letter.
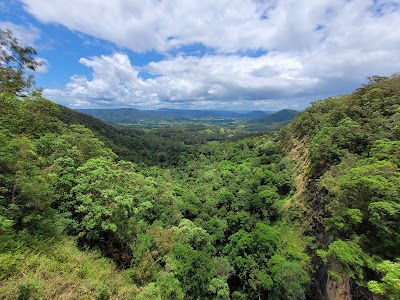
x: 209, y: 54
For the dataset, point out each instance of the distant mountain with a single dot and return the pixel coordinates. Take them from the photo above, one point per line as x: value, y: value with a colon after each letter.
x: 284, y: 115
x: 135, y: 116
x: 194, y: 113
x: 70, y: 116
x: 128, y: 143
x: 123, y: 115
x: 271, y: 122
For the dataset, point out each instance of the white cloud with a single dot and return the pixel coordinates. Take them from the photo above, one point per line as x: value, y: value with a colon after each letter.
x: 114, y: 79
x: 225, y: 25
x: 186, y: 80
x: 313, y: 48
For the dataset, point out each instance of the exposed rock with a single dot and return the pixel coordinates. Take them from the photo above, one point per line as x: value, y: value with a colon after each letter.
x: 338, y: 290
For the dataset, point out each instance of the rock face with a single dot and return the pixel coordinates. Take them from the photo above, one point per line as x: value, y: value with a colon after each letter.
x: 338, y: 290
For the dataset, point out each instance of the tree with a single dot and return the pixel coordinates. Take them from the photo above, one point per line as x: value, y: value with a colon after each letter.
x: 389, y: 285
x: 289, y: 278
x: 249, y: 253
x: 15, y: 59
x: 104, y: 205
x: 193, y: 268
x: 26, y: 190
x: 344, y: 257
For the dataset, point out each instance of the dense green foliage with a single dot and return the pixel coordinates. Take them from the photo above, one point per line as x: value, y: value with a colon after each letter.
x: 212, y: 225
x: 354, y: 182
x: 231, y: 123
x: 163, y: 144
x: 220, y: 222
x: 186, y: 217
x: 151, y: 146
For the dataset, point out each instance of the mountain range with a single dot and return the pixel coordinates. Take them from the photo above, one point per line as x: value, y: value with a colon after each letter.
x: 133, y: 116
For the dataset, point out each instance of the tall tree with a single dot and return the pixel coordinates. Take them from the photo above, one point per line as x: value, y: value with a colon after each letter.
x: 15, y: 60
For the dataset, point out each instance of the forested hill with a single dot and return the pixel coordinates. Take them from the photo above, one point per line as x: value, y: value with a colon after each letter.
x: 209, y: 227
x: 152, y: 146
x: 122, y: 115
x: 309, y: 212
x: 347, y: 158
x: 284, y: 115
x: 274, y: 120
x: 128, y: 143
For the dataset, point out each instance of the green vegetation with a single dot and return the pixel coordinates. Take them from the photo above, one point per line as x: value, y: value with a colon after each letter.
x: 93, y: 211
x: 353, y: 183
x: 36, y: 269
x: 272, y: 121
x: 155, y: 118
x: 15, y: 59
x: 233, y: 123
x: 212, y: 225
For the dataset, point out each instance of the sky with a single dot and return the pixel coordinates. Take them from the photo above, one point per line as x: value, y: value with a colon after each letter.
x: 208, y: 54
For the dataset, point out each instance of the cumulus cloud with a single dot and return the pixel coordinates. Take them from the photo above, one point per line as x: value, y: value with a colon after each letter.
x: 186, y: 80
x: 114, y: 80
x: 308, y: 49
